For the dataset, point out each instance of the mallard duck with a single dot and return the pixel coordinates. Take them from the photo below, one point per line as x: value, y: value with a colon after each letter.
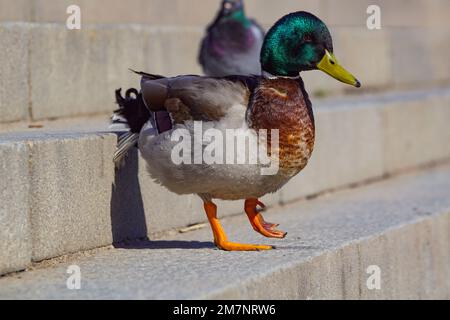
x: 232, y: 43
x: 276, y: 100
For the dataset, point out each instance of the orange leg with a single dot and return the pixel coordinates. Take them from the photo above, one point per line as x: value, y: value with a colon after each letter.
x: 257, y: 221
x: 220, y: 238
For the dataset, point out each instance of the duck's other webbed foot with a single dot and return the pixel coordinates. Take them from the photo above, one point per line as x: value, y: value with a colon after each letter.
x: 258, y: 223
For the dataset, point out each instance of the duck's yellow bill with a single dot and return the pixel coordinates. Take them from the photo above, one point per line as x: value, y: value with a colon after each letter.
x: 330, y: 66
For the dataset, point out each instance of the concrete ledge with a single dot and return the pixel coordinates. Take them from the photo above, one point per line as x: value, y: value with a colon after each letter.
x: 407, y: 141
x: 50, y: 72
x: 83, y: 68
x: 14, y: 71
x: 400, y: 226
x: 70, y: 181
x: 374, y: 136
x: 59, y: 73
x: 374, y: 72
x: 56, y: 195
x: 15, y: 235
x: 69, y: 198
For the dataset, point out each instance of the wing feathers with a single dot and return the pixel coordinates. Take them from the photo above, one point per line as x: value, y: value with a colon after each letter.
x: 196, y: 98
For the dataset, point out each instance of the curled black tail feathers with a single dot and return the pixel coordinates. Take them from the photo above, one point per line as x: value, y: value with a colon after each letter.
x: 121, y: 100
x: 132, y: 109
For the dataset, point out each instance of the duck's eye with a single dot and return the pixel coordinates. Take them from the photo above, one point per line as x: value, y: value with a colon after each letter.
x: 308, y: 38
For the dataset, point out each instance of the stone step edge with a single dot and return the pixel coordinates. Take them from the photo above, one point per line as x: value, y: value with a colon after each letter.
x: 335, y: 254
x: 334, y: 268
x: 72, y: 257
x: 57, y: 242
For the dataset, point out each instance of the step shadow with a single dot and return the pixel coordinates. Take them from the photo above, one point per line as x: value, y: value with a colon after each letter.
x: 165, y: 244
x: 128, y: 219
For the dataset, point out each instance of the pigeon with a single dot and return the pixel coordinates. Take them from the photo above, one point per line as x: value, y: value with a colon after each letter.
x: 232, y: 43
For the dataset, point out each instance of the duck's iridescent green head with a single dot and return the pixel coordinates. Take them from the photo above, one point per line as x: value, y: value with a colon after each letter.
x: 300, y: 42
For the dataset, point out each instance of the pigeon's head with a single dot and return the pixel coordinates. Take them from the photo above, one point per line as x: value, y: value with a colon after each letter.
x: 231, y: 7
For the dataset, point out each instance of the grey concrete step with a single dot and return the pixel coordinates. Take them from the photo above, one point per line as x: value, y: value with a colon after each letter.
x: 338, y: 246
x: 60, y: 193
x: 50, y: 72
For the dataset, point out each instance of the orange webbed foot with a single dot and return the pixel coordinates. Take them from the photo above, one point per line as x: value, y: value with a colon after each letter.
x: 220, y: 238
x: 232, y: 246
x: 258, y: 223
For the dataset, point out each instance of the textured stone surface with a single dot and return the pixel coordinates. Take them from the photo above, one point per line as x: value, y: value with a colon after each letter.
x: 348, y: 149
x: 176, y: 49
x: 71, y: 178
x: 19, y: 11
x: 400, y: 225
x: 155, y: 12
x: 55, y: 195
x: 371, y: 63
x: 63, y: 187
x: 134, y: 11
x: 76, y: 72
x: 366, y: 138
x: 83, y: 68
x: 417, y: 132
x: 409, y: 47
x: 14, y: 88
x: 439, y: 44
x: 15, y: 238
x: 419, y: 56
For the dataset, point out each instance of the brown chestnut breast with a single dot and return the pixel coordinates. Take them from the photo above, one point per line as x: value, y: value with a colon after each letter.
x: 283, y: 104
